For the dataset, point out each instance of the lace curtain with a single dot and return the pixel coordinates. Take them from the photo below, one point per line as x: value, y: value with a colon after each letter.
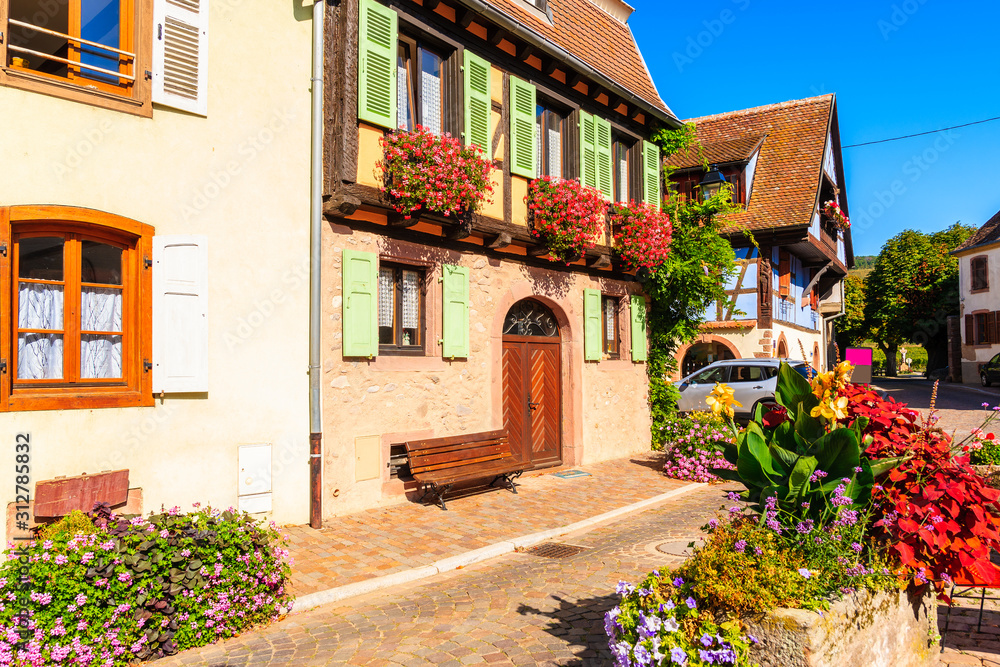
x: 100, y: 355
x: 39, y: 355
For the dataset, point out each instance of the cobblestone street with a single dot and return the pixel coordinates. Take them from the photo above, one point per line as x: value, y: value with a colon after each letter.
x: 516, y: 610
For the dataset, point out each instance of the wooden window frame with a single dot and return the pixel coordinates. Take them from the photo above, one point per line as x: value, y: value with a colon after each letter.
x: 417, y: 38
x: 605, y: 342
x: 397, y: 348
x: 135, y: 387
x: 628, y: 146
x: 137, y: 37
x: 974, y: 266
x: 548, y: 113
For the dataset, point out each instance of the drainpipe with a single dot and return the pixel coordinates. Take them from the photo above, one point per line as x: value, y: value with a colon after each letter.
x: 315, y: 282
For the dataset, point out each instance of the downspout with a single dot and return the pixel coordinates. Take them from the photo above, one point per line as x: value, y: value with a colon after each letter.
x: 315, y: 258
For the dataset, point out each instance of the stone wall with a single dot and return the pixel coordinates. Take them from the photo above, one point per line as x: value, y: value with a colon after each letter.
x: 391, y: 399
x: 890, y: 629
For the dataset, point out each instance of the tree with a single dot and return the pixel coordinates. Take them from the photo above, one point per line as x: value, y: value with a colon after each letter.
x: 912, y: 290
x: 693, y: 277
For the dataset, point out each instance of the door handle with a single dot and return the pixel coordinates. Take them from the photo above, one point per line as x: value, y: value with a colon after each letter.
x: 759, y: 387
x: 533, y: 406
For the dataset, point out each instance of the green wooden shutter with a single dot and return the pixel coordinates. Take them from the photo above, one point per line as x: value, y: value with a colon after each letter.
x: 602, y: 149
x: 524, y: 147
x: 592, y: 330
x: 378, y: 41
x: 638, y: 328
x: 588, y: 150
x: 360, y: 272
x: 477, y: 102
x: 651, y: 173
x: 455, y: 318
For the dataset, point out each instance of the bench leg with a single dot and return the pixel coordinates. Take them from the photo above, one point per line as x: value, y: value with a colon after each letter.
x: 508, y: 479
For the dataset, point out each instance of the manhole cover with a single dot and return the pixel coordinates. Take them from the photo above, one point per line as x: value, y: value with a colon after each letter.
x: 554, y: 550
x: 680, y: 547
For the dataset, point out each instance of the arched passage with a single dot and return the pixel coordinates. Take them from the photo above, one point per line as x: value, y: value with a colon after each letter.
x: 703, y: 351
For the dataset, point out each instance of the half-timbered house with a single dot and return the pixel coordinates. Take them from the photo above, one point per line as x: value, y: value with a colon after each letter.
x: 975, y: 352
x: 783, y: 163
x: 434, y: 328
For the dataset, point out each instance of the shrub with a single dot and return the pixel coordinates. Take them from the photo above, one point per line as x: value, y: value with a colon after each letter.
x: 74, y: 523
x: 693, y: 445
x: 662, y: 622
x: 984, y: 450
x: 567, y: 216
x: 642, y: 234
x: 939, y: 516
x: 138, y: 588
x: 423, y: 171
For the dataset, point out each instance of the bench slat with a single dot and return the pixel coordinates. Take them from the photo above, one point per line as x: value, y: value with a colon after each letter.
x: 419, y: 462
x: 458, y: 475
x: 454, y: 465
x: 416, y: 445
x: 456, y: 449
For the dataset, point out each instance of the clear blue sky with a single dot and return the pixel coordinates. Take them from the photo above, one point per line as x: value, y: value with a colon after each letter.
x: 897, y: 68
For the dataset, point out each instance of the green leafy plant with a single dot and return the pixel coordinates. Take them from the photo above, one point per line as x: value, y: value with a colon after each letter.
x: 128, y: 587
x: 800, y: 454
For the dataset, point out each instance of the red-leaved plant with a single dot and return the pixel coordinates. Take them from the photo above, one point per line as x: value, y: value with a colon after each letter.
x: 940, y: 517
x: 423, y: 171
x: 642, y: 234
x: 565, y: 215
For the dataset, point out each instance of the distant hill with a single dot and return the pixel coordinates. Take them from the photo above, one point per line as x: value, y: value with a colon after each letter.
x: 864, y: 261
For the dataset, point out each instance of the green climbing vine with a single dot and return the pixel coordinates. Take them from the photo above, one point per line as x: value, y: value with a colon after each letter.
x: 682, y: 288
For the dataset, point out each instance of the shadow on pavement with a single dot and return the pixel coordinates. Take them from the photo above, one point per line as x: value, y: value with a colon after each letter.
x: 581, y: 625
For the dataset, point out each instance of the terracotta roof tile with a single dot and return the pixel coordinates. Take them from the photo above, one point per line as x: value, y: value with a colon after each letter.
x: 791, y: 157
x: 719, y: 152
x: 596, y: 38
x: 985, y: 235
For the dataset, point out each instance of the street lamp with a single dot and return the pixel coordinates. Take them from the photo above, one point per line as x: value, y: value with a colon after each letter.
x: 712, y: 183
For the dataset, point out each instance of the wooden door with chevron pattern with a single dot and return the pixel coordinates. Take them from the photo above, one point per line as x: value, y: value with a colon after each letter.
x: 532, y: 391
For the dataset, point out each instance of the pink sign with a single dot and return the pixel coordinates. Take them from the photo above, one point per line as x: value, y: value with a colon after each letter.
x: 859, y: 356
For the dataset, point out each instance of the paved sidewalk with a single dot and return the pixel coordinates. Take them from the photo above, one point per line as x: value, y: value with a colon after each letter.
x: 383, y: 541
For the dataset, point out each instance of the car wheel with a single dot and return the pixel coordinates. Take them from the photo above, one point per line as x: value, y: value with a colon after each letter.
x: 985, y: 380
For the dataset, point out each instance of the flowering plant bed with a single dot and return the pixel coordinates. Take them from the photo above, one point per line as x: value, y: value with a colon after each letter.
x: 565, y: 215
x: 836, y: 215
x: 425, y: 172
x: 108, y: 590
x: 642, y: 235
x: 693, y: 445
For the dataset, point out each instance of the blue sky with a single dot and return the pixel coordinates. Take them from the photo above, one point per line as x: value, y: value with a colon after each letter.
x: 897, y: 68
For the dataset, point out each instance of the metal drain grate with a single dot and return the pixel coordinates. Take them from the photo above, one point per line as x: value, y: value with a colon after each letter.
x: 554, y: 550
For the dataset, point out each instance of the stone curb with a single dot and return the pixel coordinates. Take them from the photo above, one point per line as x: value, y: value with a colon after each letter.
x: 313, y: 600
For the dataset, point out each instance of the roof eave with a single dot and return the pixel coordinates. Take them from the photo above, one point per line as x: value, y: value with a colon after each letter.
x: 511, y: 25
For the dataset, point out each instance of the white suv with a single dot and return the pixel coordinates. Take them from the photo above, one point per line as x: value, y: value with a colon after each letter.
x: 753, y: 381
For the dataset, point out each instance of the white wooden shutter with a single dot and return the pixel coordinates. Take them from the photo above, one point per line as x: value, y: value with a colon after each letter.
x: 180, y: 54
x: 180, y: 314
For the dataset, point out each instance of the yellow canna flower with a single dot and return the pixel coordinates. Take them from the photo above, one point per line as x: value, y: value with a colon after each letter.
x: 722, y: 400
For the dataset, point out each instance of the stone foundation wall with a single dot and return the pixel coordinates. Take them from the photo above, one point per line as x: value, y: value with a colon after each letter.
x: 890, y: 629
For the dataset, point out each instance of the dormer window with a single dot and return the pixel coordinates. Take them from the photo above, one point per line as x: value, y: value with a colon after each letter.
x: 541, y: 5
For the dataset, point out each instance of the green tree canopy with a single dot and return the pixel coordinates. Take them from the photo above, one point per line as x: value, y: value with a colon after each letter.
x: 911, y: 291
x: 852, y: 329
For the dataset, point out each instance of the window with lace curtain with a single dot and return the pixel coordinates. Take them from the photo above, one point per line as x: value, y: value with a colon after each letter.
x: 79, y: 310
x: 400, y: 309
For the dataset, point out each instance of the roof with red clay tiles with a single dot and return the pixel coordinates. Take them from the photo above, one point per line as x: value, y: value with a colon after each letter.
x: 596, y: 38
x: 720, y: 152
x: 788, y: 170
x: 985, y: 235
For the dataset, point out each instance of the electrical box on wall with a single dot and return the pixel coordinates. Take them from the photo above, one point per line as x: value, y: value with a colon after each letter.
x: 254, y: 481
x: 368, y: 453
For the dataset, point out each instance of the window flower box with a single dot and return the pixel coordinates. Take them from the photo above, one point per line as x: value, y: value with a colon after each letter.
x: 425, y: 173
x: 641, y: 235
x: 831, y: 211
x: 566, y: 216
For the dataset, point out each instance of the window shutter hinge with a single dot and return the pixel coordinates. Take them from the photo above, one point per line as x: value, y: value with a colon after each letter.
x: 149, y: 75
x: 3, y: 249
x: 1, y: 36
x: 159, y: 31
x: 3, y: 366
x: 147, y: 365
x: 147, y: 263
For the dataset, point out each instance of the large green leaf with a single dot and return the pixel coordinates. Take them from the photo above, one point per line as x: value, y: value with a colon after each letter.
x: 798, y: 481
x: 882, y: 466
x: 749, y: 468
x: 808, y: 428
x: 836, y: 451
x: 784, y: 457
x: 756, y: 446
x: 792, y: 389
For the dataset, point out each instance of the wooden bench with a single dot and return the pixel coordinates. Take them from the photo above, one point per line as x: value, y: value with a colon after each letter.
x: 440, y: 463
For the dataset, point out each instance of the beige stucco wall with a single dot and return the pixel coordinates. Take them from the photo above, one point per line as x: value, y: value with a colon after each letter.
x: 605, y: 409
x: 240, y: 176
x: 972, y: 303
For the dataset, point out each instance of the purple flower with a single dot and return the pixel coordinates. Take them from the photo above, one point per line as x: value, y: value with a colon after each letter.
x: 678, y: 582
x: 805, y: 526
x: 690, y: 602
x: 678, y: 655
x: 804, y: 572
x: 740, y: 545
x: 856, y: 547
x: 706, y: 640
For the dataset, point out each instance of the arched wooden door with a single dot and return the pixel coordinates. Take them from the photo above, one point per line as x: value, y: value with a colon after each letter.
x: 532, y: 391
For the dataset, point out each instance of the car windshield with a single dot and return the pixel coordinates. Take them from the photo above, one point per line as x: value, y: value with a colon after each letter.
x: 710, y: 375
x: 804, y: 370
